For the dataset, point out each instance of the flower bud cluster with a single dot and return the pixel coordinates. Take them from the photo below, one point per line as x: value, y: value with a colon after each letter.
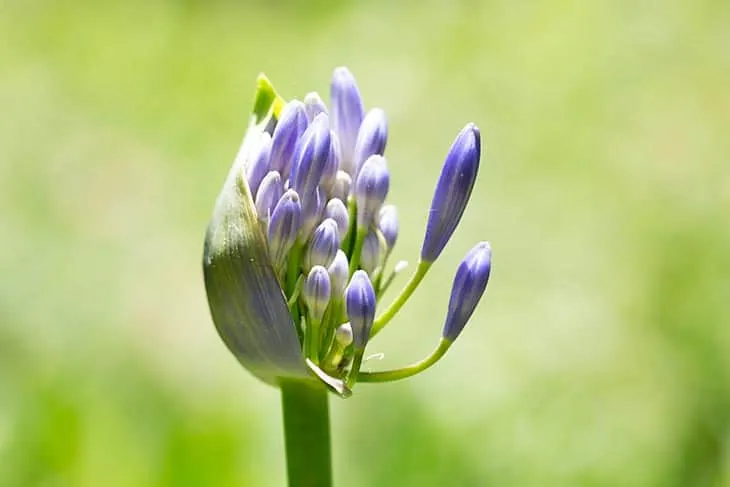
x: 319, y: 181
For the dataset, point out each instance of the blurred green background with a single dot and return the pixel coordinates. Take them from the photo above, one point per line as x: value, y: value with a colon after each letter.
x: 600, y: 355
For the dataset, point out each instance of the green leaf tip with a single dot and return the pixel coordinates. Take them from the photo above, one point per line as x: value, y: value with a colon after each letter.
x: 266, y: 99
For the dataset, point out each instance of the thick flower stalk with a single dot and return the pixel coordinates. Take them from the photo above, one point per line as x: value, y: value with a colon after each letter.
x: 297, y: 253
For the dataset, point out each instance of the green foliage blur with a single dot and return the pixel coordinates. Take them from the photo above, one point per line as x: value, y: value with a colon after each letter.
x: 600, y: 355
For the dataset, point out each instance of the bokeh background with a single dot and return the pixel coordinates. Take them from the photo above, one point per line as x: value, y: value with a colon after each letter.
x: 600, y: 355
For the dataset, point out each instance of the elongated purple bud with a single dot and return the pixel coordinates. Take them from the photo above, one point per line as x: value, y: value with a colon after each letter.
x: 388, y: 225
x: 311, y: 157
x: 258, y: 163
x: 284, y: 227
x: 314, y: 105
x: 329, y: 174
x: 469, y: 285
x: 347, y: 112
x: 312, y: 210
x: 337, y: 210
x: 316, y: 291
x: 371, y: 189
x: 360, y: 304
x: 339, y: 271
x: 291, y: 126
x: 341, y: 188
x: 371, y: 253
x: 268, y: 195
x: 371, y: 138
x: 452, y: 191
x: 323, y: 246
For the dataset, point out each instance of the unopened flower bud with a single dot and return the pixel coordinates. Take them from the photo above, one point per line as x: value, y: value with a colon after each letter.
x: 341, y: 188
x: 452, y: 191
x: 312, y: 209
x: 343, y: 335
x: 371, y: 189
x: 371, y: 138
x: 371, y: 253
x: 314, y: 105
x: 257, y: 164
x: 323, y: 246
x: 268, y: 195
x: 291, y: 126
x: 286, y: 218
x: 337, y: 210
x: 347, y: 113
x: 388, y: 225
x: 329, y: 174
x: 311, y: 156
x: 339, y: 273
x: 469, y: 285
x: 316, y: 291
x: 360, y: 304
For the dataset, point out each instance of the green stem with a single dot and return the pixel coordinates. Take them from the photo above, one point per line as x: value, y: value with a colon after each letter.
x: 357, y: 249
x: 405, y: 372
x: 396, y: 305
x: 306, y: 433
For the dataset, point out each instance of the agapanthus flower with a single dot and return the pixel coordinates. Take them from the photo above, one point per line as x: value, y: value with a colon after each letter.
x: 296, y: 255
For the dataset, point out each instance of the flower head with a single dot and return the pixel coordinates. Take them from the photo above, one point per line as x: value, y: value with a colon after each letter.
x: 296, y: 252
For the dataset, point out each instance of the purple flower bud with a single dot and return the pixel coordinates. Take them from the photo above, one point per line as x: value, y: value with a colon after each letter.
x: 323, y: 246
x: 341, y: 188
x: 284, y: 226
x: 312, y: 209
x: 291, y: 126
x: 316, y: 291
x: 469, y: 285
x: 360, y: 304
x: 339, y: 271
x: 388, y: 225
x: 347, y: 113
x: 314, y: 105
x: 268, y: 195
x: 371, y: 189
x: 311, y: 157
x: 258, y: 163
x: 371, y: 253
x: 452, y: 191
x: 329, y: 174
x: 371, y: 138
x: 337, y: 210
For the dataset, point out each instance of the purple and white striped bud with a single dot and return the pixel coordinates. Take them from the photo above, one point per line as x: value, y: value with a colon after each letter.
x: 452, y: 191
x: 371, y: 189
x: 314, y: 105
x: 360, y: 304
x: 372, y: 251
x: 339, y: 271
x: 268, y: 195
x: 316, y: 291
x: 284, y: 227
x: 388, y: 225
x: 312, y: 210
x: 371, y: 138
x: 323, y: 246
x: 258, y: 163
x: 337, y: 210
x: 341, y: 188
x: 291, y: 126
x: 469, y: 285
x: 347, y: 112
x: 329, y: 175
x: 311, y: 156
